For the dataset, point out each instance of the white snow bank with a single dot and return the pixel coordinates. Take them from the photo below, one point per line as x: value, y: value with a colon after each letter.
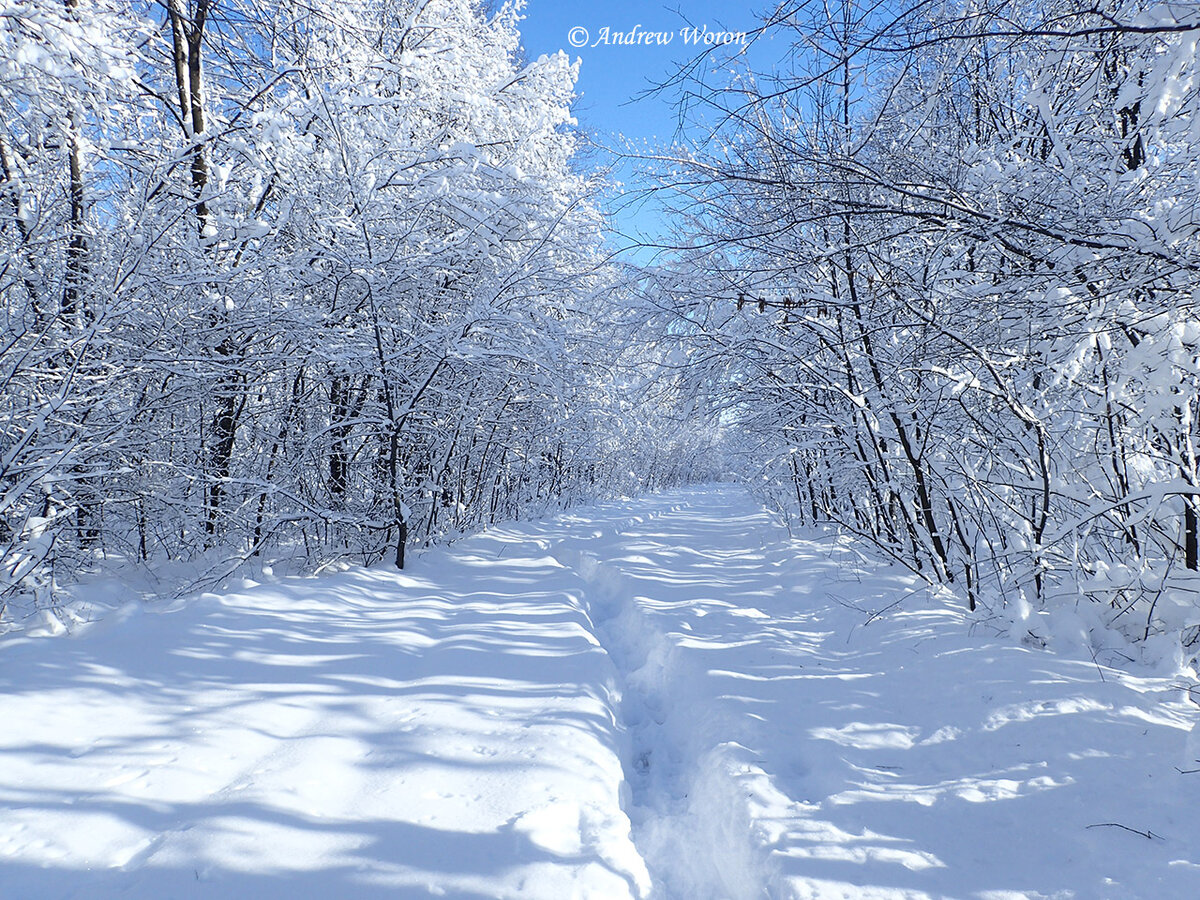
x: 804, y: 728
x: 764, y: 717
x: 448, y: 731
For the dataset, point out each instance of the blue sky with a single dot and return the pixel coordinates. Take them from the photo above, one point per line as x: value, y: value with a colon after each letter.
x: 612, y: 75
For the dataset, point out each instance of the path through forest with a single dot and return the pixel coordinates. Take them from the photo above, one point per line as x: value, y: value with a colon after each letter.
x: 666, y: 697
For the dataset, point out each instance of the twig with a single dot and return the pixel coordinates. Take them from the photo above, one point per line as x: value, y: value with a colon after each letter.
x: 879, y: 612
x: 1191, y: 693
x: 1148, y: 835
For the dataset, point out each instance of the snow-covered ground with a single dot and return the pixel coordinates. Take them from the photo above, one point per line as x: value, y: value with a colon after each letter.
x: 657, y: 698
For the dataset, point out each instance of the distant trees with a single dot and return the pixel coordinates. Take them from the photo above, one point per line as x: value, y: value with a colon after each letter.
x: 948, y: 259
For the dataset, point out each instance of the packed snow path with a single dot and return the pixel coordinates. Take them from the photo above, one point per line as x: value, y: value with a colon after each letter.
x: 659, y: 698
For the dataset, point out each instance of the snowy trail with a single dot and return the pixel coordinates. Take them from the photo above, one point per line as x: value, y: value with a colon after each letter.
x: 803, y: 728
x: 661, y: 698
x: 446, y: 732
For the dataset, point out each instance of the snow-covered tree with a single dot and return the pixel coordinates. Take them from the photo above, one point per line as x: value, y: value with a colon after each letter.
x: 307, y: 275
x: 949, y: 255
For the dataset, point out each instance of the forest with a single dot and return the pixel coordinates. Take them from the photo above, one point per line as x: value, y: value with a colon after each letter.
x: 325, y: 280
x: 383, y: 515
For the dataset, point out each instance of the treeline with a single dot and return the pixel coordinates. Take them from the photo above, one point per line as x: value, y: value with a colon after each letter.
x: 942, y: 261
x: 315, y: 277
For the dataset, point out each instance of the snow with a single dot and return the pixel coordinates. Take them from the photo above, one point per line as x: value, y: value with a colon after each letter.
x: 666, y: 697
